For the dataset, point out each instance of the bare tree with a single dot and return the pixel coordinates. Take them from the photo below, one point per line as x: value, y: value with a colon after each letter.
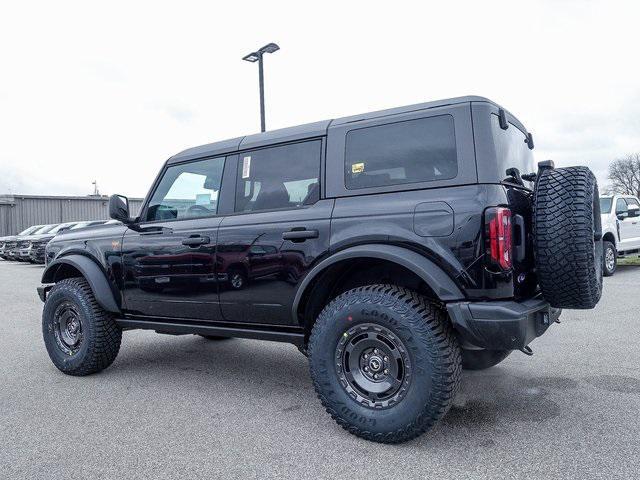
x: 624, y: 174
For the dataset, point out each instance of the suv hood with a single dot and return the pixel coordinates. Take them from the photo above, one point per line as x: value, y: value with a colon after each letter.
x: 92, y: 232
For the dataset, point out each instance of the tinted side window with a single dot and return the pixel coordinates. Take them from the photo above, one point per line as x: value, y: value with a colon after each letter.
x: 279, y: 177
x: 412, y: 151
x: 188, y: 190
x: 632, y: 202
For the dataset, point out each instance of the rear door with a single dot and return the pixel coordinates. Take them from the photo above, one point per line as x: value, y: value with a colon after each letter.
x: 279, y: 227
x: 169, y: 258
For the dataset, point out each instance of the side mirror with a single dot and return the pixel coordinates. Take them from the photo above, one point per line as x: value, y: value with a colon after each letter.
x: 119, y: 208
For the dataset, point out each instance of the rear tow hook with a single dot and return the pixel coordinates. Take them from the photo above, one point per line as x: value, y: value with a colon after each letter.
x: 527, y: 350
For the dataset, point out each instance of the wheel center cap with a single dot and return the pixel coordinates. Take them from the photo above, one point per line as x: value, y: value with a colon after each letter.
x: 375, y: 364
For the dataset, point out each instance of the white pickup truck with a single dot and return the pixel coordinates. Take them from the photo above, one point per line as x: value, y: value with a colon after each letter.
x: 620, y: 228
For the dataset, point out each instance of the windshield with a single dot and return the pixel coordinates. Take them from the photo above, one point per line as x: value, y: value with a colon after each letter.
x: 45, y: 229
x: 512, y: 151
x: 30, y: 230
x: 605, y: 204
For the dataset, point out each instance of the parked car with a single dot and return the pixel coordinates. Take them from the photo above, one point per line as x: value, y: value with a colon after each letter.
x: 4, y: 250
x: 620, y: 228
x: 19, y: 242
x: 41, y: 253
x: 34, y: 251
x: 426, y: 240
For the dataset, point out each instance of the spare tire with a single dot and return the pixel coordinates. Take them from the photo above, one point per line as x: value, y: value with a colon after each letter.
x: 567, y: 234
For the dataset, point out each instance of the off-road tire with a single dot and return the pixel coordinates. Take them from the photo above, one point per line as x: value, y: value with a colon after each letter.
x: 433, y: 352
x: 567, y: 236
x: 482, y: 359
x: 101, y: 336
x: 609, y: 249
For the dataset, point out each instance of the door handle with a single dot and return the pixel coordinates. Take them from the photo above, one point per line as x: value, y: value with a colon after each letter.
x: 196, y: 241
x: 300, y: 235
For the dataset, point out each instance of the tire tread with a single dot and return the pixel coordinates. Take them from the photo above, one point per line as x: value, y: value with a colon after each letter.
x: 429, y: 323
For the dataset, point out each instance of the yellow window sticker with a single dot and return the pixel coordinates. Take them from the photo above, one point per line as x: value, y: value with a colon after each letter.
x: 357, y: 167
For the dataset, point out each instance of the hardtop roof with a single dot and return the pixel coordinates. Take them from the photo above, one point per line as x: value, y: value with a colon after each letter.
x: 308, y: 130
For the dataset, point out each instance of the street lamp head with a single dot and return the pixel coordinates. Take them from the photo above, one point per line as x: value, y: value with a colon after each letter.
x: 252, y: 57
x: 269, y: 48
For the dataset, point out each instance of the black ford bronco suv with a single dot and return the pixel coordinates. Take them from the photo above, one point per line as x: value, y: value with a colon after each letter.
x: 393, y: 248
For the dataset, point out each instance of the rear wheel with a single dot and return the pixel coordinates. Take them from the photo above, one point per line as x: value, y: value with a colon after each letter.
x: 610, y: 258
x: 384, y: 362
x: 81, y: 337
x: 482, y: 359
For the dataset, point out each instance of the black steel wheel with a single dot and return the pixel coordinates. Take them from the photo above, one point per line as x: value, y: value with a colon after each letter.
x: 81, y: 337
x: 67, y: 327
x: 373, y: 365
x: 384, y: 362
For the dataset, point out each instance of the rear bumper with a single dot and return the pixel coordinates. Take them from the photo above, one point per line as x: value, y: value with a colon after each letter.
x: 502, y: 325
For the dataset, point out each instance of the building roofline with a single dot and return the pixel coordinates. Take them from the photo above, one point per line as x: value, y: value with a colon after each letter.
x: 102, y: 198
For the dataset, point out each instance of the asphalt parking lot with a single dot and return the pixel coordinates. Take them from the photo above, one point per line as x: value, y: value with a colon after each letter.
x: 185, y: 407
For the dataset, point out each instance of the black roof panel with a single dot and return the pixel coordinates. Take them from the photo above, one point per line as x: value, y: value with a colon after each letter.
x: 306, y: 131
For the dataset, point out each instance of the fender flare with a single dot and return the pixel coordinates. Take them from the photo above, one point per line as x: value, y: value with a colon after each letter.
x: 437, y: 279
x: 92, y: 272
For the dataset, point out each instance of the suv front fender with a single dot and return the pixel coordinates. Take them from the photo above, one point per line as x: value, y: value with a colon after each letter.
x: 92, y: 272
x: 437, y: 279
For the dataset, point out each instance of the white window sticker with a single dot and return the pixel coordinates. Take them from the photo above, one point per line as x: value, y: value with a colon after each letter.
x: 246, y: 167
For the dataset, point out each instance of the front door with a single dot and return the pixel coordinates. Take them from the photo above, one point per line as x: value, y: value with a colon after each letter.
x: 169, y: 257
x: 628, y: 224
x: 279, y: 228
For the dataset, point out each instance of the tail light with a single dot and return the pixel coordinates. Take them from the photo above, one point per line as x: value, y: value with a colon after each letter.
x: 498, y: 237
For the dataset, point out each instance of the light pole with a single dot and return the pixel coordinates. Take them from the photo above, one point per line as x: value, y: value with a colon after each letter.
x: 257, y: 57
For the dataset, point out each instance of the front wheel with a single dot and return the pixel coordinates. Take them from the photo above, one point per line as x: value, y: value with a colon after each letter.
x: 81, y: 338
x: 384, y: 362
x: 610, y: 258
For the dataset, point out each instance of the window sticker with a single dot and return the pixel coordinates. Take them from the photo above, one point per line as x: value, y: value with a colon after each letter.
x: 246, y: 167
x: 357, y: 167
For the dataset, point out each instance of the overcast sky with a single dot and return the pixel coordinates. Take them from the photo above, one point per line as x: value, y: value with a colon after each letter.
x: 107, y: 91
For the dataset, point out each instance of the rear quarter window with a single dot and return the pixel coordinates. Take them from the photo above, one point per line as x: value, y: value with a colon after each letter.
x: 412, y: 151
